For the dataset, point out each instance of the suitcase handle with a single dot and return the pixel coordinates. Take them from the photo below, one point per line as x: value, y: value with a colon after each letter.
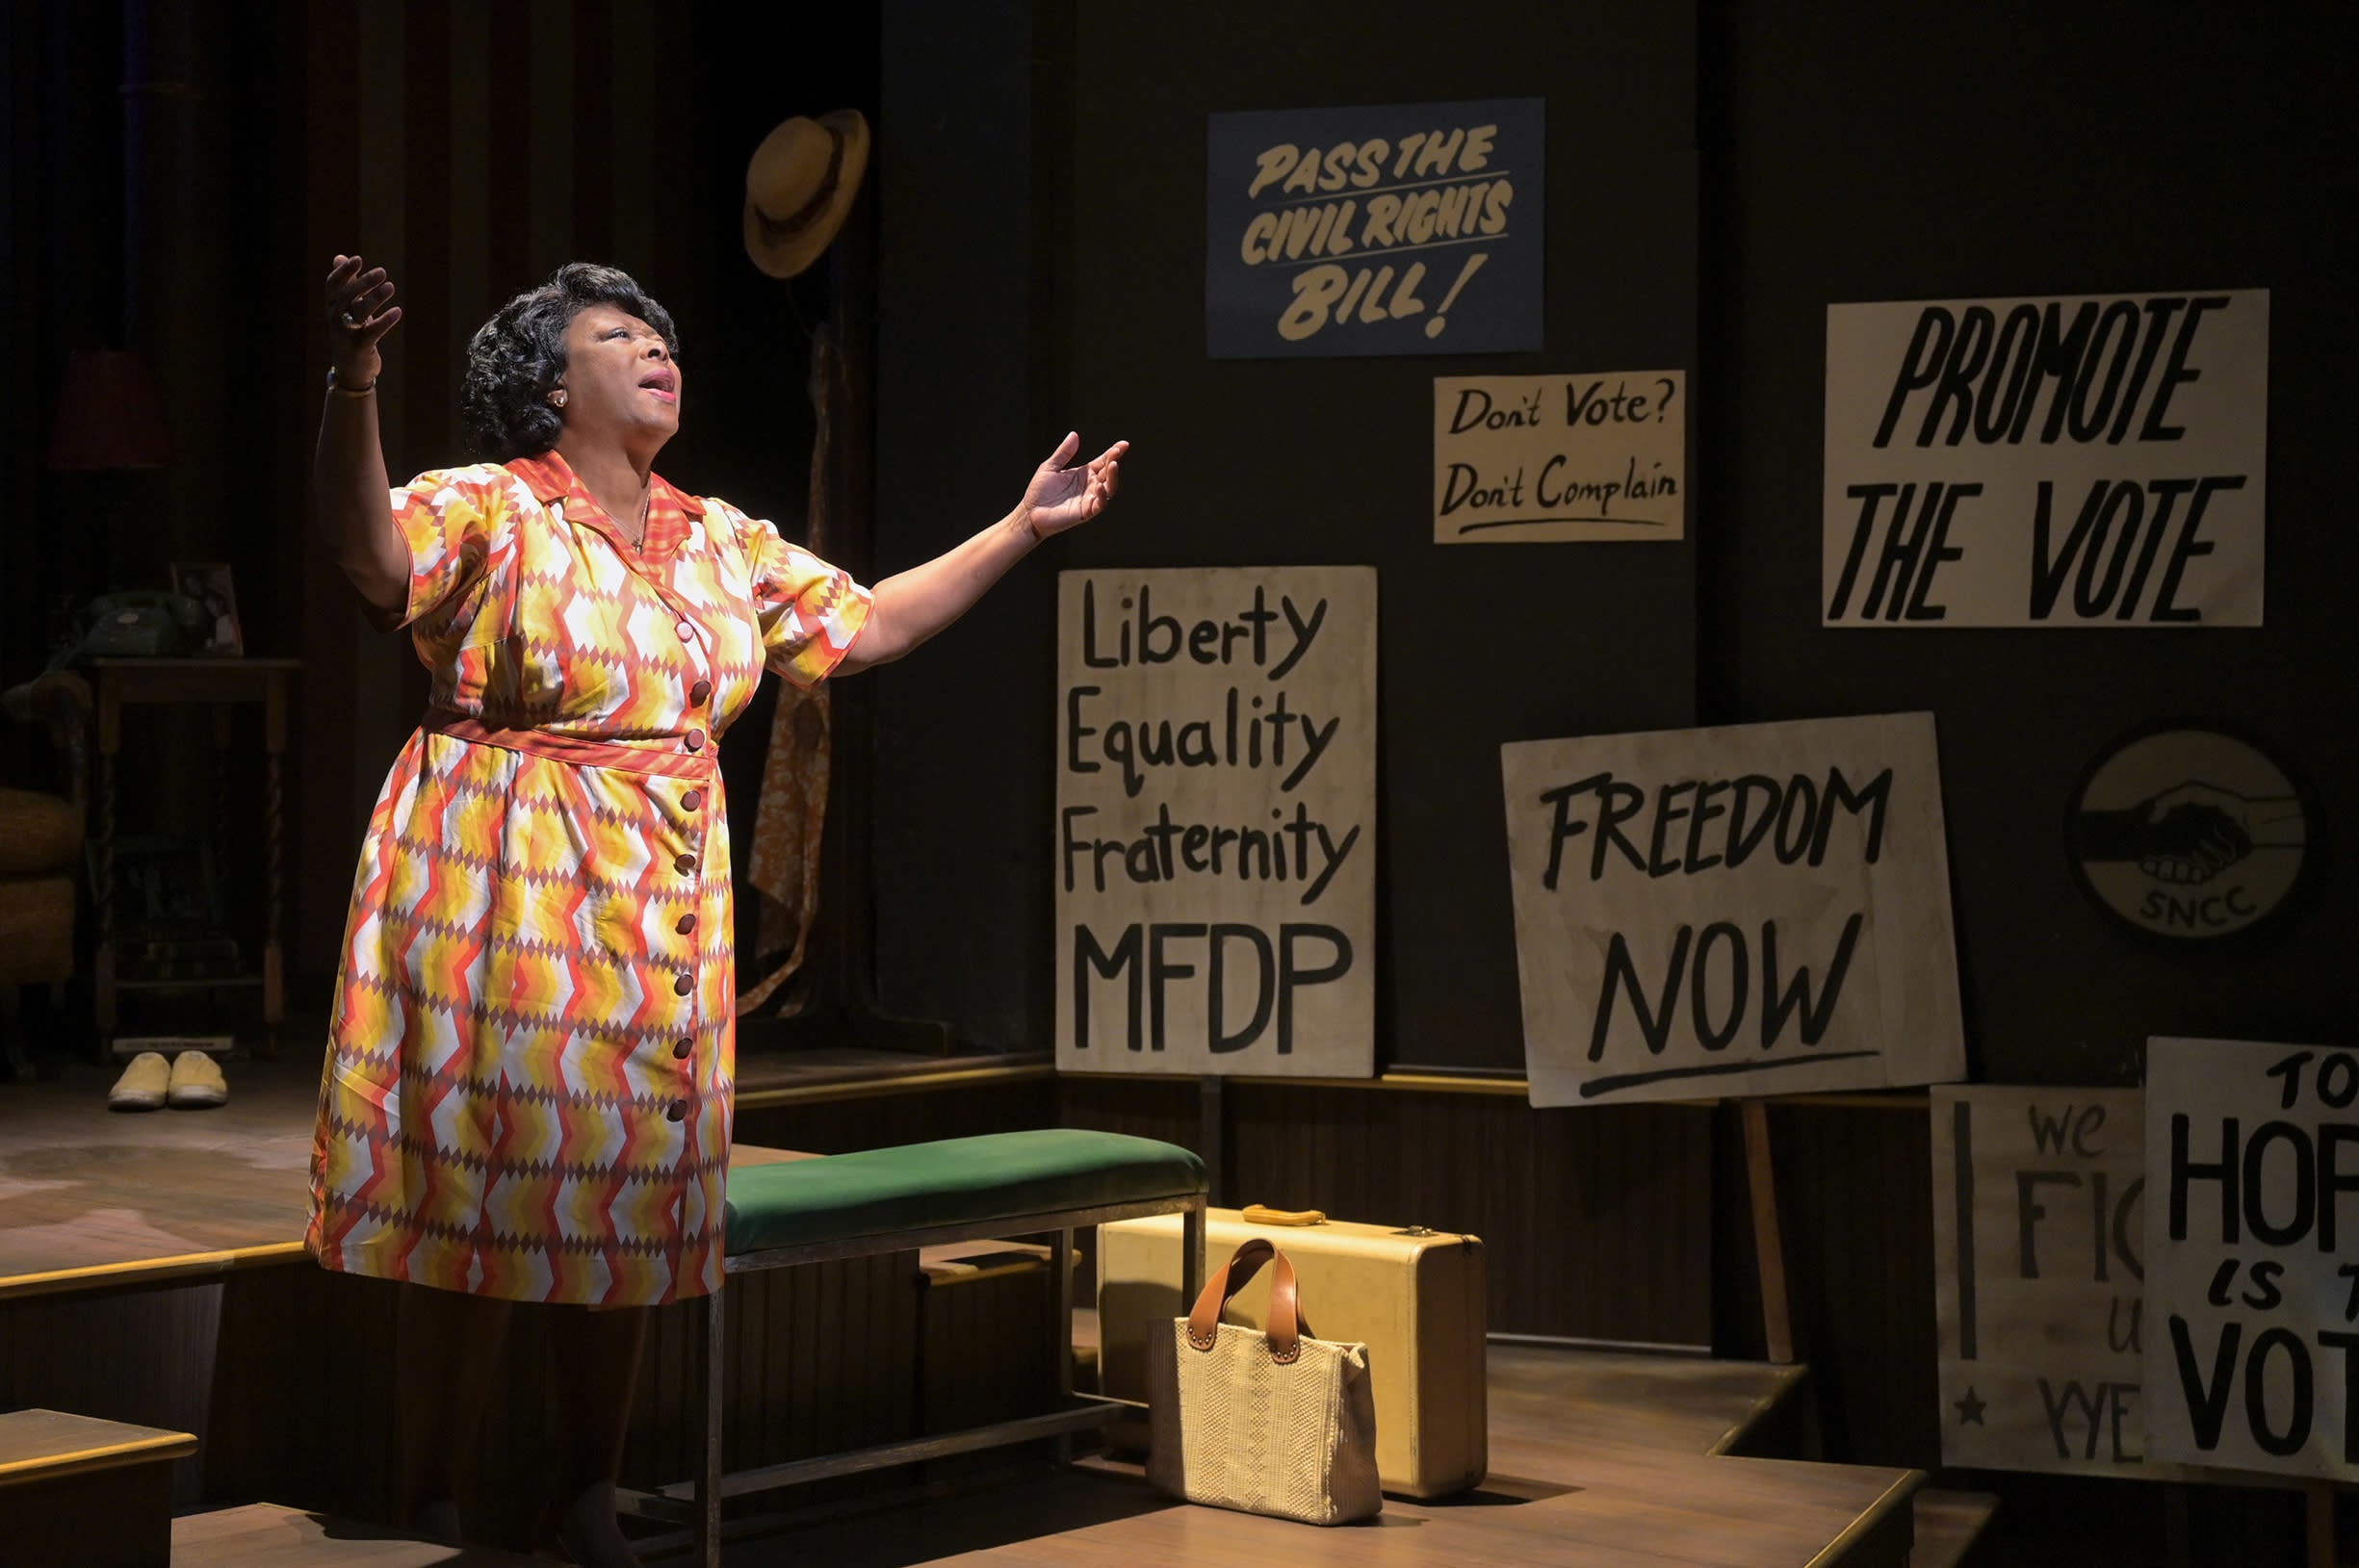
x: 1288, y: 1326
x: 1257, y: 1214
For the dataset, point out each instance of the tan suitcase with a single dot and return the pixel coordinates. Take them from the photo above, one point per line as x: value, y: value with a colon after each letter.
x: 1416, y: 1300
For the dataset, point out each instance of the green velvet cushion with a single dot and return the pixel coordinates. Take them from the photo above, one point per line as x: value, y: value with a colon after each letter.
x: 999, y: 1177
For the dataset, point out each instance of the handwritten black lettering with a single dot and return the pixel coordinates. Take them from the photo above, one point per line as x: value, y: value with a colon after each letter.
x: 1654, y: 1011
x: 1153, y: 959
x: 1971, y: 375
x: 1802, y: 813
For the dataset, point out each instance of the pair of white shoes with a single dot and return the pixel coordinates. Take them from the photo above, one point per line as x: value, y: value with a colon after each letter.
x: 191, y: 1081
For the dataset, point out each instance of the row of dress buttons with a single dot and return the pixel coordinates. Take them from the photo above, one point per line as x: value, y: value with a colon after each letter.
x: 698, y: 694
x: 686, y: 864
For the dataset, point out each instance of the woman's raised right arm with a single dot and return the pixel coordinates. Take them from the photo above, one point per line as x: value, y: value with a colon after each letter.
x: 347, y: 472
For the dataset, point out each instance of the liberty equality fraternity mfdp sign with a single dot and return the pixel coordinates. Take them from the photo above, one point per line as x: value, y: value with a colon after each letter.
x: 1757, y: 909
x: 1216, y: 821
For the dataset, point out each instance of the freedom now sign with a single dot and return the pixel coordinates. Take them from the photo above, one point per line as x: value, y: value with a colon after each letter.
x: 1753, y: 909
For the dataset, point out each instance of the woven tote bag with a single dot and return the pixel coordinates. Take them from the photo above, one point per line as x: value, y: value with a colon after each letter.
x: 1280, y: 1424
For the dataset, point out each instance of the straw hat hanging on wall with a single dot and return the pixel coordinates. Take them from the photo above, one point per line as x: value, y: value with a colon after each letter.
x: 799, y: 185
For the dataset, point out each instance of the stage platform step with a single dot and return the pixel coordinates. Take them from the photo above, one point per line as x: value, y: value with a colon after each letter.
x: 1948, y: 1524
x: 1610, y: 1506
x: 76, y: 1490
x: 268, y: 1536
x: 1598, y: 1460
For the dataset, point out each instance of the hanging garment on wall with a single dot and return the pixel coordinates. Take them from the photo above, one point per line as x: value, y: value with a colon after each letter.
x: 791, y: 819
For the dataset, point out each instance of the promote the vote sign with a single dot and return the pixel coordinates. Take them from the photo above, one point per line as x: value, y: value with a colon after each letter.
x: 2082, y: 460
x: 1395, y: 229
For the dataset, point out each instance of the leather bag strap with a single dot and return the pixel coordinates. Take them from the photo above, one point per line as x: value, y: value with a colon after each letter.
x: 1288, y: 1326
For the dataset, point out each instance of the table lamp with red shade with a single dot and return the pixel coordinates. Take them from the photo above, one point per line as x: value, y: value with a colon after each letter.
x: 108, y: 416
x: 109, y: 424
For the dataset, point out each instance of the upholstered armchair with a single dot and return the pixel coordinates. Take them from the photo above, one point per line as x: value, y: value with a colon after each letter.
x: 41, y: 851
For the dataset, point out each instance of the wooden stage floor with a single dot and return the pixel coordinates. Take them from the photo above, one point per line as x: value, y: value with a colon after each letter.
x: 85, y: 1190
x: 1597, y: 1461
x: 1601, y: 1461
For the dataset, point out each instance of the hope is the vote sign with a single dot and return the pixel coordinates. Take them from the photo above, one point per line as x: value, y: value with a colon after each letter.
x: 1757, y: 909
x: 1216, y: 821
x: 2252, y: 1256
x: 2086, y: 460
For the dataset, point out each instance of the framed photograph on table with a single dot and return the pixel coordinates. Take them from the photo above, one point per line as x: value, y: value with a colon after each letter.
x: 209, y: 584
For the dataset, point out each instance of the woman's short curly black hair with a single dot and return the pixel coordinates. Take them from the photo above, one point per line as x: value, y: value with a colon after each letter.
x: 515, y: 358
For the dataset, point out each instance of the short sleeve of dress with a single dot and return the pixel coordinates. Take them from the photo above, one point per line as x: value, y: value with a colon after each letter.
x: 809, y: 610
x: 452, y: 521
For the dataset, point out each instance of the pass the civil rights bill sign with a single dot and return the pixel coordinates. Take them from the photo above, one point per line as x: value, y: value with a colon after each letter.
x: 2087, y: 460
x: 1760, y: 908
x: 1386, y: 229
x: 1215, y: 829
x: 2252, y: 1256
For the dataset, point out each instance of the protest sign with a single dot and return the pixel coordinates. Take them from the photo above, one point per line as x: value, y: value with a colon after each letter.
x: 1216, y: 833
x: 1529, y: 459
x: 1390, y: 229
x: 2092, y: 460
x: 1732, y: 910
x: 2252, y: 1233
x: 2038, y: 1229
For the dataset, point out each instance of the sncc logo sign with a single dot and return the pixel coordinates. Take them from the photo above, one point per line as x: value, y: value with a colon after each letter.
x: 2189, y: 834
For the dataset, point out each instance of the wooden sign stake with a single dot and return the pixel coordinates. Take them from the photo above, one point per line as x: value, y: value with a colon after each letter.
x: 2318, y: 1499
x: 1768, y: 1238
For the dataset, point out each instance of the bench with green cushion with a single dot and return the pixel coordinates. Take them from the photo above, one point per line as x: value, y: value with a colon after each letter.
x: 958, y: 1182
x: 1052, y: 1182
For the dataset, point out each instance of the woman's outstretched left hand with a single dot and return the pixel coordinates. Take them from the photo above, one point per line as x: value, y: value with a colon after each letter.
x: 1061, y: 498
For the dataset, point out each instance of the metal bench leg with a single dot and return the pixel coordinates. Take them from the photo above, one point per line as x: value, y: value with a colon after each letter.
x: 713, y: 1365
x: 1060, y: 1345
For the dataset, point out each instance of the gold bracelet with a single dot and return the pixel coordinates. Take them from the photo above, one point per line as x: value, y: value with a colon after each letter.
x: 341, y: 391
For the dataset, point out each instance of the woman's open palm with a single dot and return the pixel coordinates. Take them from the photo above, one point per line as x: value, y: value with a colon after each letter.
x: 1061, y: 498
x: 360, y: 311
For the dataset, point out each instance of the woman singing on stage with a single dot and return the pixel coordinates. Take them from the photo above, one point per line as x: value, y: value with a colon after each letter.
x: 526, y: 1090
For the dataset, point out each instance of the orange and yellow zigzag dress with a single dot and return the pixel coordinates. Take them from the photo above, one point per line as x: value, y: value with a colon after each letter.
x: 528, y: 1086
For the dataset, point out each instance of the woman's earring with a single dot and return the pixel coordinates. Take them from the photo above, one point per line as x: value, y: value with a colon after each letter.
x: 558, y: 396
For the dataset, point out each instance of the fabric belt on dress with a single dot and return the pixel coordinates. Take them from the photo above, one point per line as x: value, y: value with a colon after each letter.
x: 596, y: 754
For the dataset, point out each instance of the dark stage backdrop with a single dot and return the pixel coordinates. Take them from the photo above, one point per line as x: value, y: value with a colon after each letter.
x: 1863, y: 152
x: 1851, y: 154
x: 473, y: 149
x: 1039, y: 166
x: 468, y: 150
x: 1066, y: 225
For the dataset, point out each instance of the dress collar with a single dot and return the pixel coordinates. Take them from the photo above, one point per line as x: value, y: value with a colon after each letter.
x: 551, y: 479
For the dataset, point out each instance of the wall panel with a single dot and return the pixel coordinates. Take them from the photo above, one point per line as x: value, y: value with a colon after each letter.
x: 1596, y: 1223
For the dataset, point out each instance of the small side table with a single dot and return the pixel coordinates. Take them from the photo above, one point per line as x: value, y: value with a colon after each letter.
x: 220, y: 684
